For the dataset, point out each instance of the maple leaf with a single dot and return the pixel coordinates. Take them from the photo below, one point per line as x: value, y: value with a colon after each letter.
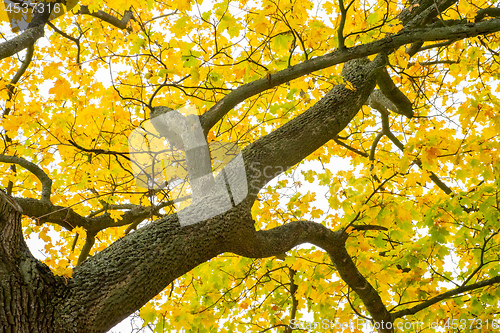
x: 294, y: 185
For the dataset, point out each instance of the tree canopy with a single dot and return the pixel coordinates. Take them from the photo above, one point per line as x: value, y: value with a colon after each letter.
x: 403, y: 236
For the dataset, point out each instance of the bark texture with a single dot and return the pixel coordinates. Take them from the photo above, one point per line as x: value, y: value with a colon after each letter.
x: 114, y: 283
x: 28, y: 289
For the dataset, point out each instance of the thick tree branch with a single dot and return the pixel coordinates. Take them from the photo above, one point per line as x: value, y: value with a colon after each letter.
x: 484, y: 12
x: 132, y: 216
x: 110, y: 285
x: 44, y: 212
x: 34, y: 169
x: 10, y: 233
x: 28, y: 37
x: 67, y: 218
x: 389, y: 43
x: 102, y: 15
x: 26, y: 62
x: 380, y: 102
x: 21, y: 42
x: 23, y: 278
x: 276, y: 241
x: 11, y: 89
x: 89, y: 242
x: 301, y: 136
x: 401, y: 102
x: 421, y: 12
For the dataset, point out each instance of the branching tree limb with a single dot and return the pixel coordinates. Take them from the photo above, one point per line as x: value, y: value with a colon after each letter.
x: 386, y: 130
x: 102, y: 15
x: 34, y: 169
x: 28, y: 37
x: 304, y: 134
x: 36, y: 29
x: 21, y: 42
x: 388, y: 44
x: 117, y: 281
x: 89, y: 242
x: 402, y: 104
x: 279, y: 240
x: 44, y: 212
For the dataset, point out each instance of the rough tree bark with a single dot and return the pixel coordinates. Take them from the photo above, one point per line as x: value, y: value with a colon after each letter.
x: 28, y: 288
x: 114, y: 283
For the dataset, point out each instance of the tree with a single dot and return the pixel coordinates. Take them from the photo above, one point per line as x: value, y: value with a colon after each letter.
x: 406, y: 239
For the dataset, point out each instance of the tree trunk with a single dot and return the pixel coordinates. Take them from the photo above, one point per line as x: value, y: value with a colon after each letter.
x: 27, y: 286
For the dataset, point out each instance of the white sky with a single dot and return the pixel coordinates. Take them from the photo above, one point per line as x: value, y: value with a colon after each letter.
x: 37, y: 246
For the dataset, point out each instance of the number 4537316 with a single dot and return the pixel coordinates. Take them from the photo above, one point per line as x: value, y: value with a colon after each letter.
x: 32, y: 8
